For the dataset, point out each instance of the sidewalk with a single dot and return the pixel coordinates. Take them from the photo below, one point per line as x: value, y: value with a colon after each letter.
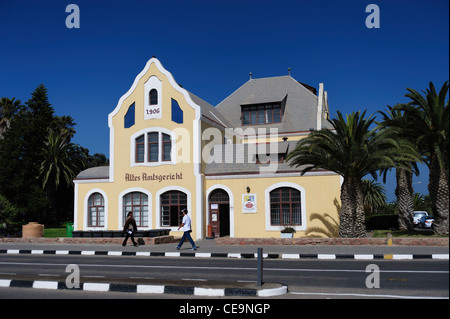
x: 208, y: 248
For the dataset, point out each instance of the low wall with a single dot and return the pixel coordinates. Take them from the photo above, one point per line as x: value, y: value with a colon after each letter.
x: 92, y: 240
x: 333, y: 241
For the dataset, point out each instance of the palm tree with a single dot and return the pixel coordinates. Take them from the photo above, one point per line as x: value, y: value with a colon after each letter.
x: 374, y: 195
x: 353, y: 150
x: 57, y: 163
x: 428, y: 117
x: 8, y: 108
x: 396, y: 122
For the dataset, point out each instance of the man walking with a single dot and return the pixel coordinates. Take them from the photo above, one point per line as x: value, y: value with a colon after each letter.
x: 186, y: 224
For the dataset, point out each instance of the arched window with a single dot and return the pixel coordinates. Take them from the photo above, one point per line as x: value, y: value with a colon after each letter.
x: 152, y: 147
x: 153, y: 97
x: 172, y: 202
x: 285, y: 206
x: 96, y: 210
x: 219, y: 195
x: 137, y: 203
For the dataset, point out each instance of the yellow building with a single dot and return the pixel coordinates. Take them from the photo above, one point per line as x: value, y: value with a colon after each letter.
x: 171, y: 150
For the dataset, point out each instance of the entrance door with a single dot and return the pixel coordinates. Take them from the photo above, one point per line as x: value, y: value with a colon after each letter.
x: 219, y: 213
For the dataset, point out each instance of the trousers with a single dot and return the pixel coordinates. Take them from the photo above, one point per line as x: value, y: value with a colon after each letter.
x: 129, y: 236
x: 187, y: 234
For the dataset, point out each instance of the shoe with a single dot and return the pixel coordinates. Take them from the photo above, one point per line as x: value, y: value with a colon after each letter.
x: 194, y: 248
x: 178, y: 248
x: 137, y: 245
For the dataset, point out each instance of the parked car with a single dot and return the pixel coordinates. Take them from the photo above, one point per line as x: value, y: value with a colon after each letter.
x: 417, y: 215
x: 426, y: 222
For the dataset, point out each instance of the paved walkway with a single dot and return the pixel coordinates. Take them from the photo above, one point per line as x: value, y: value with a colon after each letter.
x: 208, y: 246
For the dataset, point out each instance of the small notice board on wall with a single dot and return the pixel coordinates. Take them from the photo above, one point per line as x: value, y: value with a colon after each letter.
x: 249, y: 203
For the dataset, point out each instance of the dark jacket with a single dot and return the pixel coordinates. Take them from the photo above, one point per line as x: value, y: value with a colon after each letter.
x: 129, y: 222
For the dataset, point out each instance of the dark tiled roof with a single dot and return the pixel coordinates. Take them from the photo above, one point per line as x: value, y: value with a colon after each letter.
x: 99, y: 172
x: 243, y: 159
x: 298, y: 102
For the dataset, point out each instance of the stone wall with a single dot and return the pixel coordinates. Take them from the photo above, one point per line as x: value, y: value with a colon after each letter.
x: 95, y: 241
x: 333, y: 241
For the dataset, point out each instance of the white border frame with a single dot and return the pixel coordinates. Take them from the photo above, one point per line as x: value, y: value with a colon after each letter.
x: 158, y: 205
x: 152, y: 83
x: 120, y: 208
x: 231, y: 201
x: 160, y: 131
x: 269, y: 227
x: 197, y: 152
x: 86, y: 210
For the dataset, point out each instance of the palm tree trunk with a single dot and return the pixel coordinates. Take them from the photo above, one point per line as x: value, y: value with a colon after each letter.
x: 438, y: 188
x: 405, y: 195
x: 352, y: 217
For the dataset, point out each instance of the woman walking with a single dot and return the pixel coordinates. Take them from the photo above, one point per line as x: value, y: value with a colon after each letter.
x: 129, y: 228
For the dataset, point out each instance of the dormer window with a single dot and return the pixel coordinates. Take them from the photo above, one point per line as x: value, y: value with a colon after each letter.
x: 261, y: 114
x: 270, y: 158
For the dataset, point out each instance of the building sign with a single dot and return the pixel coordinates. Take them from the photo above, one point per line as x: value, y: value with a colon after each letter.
x: 130, y: 177
x: 249, y: 203
x: 152, y: 112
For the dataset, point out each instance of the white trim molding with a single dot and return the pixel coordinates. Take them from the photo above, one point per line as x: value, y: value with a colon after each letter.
x: 196, y: 138
x: 158, y: 205
x: 120, y: 210
x: 152, y: 111
x: 269, y: 227
x: 159, y: 130
x: 86, y: 209
x: 231, y: 202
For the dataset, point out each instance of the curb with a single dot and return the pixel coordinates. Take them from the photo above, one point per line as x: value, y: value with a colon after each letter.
x: 145, y: 289
x: 227, y: 255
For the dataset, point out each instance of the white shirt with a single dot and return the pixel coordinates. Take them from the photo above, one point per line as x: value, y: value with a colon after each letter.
x: 186, y: 222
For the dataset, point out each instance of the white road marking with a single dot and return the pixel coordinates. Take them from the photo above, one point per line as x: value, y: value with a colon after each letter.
x: 363, y: 295
x: 231, y: 268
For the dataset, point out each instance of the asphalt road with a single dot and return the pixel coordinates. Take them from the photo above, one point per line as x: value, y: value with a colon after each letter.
x: 305, y: 278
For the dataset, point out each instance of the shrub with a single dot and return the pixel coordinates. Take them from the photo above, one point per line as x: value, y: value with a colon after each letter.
x: 382, y: 222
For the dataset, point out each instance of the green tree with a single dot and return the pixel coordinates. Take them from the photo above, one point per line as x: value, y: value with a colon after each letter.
x: 428, y: 121
x: 422, y: 202
x: 353, y: 150
x: 57, y: 164
x: 8, y: 213
x: 38, y: 161
x: 60, y: 165
x: 20, y: 155
x: 374, y: 196
x: 8, y: 108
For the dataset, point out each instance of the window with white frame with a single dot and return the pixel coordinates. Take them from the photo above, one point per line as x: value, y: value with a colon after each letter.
x: 285, y: 206
x: 96, y: 210
x: 137, y: 203
x: 152, y: 147
x: 172, y: 203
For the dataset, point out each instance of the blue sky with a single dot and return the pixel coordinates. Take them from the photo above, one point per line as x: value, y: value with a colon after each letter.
x: 211, y: 46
